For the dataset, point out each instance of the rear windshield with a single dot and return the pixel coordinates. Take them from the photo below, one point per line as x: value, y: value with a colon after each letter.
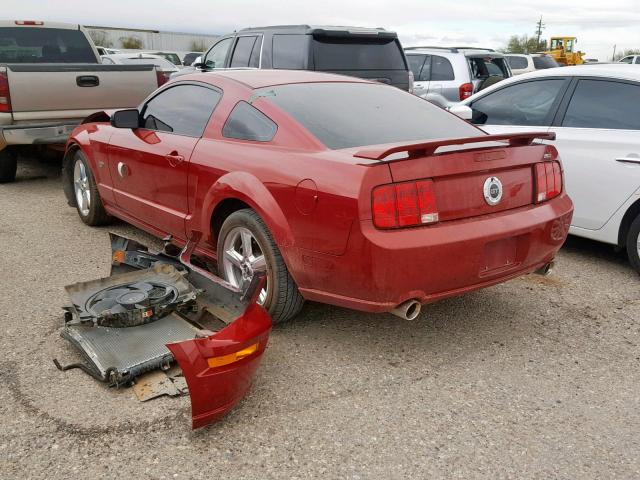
x: 544, y: 62
x: 483, y: 67
x: 344, y: 115
x: 44, y: 45
x: 355, y: 53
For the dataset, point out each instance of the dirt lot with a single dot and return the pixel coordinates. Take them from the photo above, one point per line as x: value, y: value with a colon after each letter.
x: 537, y: 378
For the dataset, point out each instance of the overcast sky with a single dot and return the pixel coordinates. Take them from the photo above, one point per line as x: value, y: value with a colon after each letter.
x: 598, y: 24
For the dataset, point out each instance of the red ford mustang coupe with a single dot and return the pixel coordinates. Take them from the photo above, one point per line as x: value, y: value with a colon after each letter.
x: 345, y: 191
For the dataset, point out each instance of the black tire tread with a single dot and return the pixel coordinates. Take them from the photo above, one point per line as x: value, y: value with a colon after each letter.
x: 288, y: 302
x: 8, y: 166
x: 632, y: 244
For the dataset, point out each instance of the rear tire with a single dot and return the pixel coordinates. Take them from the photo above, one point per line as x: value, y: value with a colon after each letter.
x: 282, y: 299
x: 85, y: 193
x: 8, y: 165
x: 633, y: 244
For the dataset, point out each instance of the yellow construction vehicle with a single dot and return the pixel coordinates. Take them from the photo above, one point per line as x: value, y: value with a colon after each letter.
x: 563, y: 50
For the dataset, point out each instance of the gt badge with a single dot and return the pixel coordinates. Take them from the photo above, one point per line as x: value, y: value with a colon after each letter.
x: 492, y: 190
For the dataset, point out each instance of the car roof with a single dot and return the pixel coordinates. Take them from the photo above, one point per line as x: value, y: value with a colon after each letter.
x: 620, y: 71
x: 259, y: 78
x: 310, y: 29
x: 466, y: 51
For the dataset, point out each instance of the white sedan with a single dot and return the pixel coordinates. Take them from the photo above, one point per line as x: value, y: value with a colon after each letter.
x: 595, y: 112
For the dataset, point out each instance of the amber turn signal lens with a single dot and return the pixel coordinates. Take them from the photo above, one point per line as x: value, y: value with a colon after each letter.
x: 231, y: 357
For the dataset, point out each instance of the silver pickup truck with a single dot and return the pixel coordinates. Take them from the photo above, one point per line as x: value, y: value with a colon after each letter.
x: 51, y: 78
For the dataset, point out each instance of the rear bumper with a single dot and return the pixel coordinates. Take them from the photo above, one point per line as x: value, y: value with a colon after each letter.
x: 382, y: 269
x: 41, y: 134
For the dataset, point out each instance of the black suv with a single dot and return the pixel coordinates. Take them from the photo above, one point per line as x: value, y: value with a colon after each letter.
x: 374, y: 54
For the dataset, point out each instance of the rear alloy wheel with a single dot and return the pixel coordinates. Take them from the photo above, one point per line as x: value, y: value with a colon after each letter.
x: 8, y: 165
x: 246, y: 246
x: 633, y: 244
x: 85, y: 192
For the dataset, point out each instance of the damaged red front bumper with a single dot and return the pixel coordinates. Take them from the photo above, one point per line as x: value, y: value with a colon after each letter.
x: 219, y: 369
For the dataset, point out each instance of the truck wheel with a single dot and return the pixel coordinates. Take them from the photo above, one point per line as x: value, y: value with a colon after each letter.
x: 8, y: 165
x: 245, y: 245
x: 85, y: 191
x: 633, y: 244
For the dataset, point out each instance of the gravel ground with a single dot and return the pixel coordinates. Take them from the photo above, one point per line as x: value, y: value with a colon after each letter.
x: 536, y: 378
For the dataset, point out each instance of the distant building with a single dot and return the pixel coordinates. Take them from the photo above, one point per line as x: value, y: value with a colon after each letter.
x: 131, y: 38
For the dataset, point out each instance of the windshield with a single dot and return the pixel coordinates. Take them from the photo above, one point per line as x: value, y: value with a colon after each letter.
x: 355, y: 53
x: 44, y: 45
x: 344, y: 115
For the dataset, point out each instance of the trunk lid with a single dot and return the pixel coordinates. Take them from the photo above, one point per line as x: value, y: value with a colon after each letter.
x: 463, y: 176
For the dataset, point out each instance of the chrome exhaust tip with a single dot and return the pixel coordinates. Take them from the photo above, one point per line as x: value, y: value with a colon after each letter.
x: 547, y: 269
x: 408, y: 310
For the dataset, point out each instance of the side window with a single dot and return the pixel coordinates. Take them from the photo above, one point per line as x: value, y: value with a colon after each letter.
x: 218, y: 54
x: 242, y: 51
x: 415, y: 64
x: 638, y: 59
x: 441, y: 69
x: 254, y: 60
x: 183, y: 110
x: 518, y: 63
x: 526, y: 103
x: 290, y: 51
x: 627, y: 60
x: 246, y: 122
x: 604, y: 104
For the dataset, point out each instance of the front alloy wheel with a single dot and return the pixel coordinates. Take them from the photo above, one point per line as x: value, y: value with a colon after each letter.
x: 81, y: 188
x: 241, y: 258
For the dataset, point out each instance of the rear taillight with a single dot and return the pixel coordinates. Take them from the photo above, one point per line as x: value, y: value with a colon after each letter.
x: 162, y: 77
x: 5, y: 98
x: 548, y: 181
x: 465, y: 90
x: 406, y: 204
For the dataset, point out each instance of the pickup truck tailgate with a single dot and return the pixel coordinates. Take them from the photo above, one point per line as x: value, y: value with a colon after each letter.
x: 46, y: 91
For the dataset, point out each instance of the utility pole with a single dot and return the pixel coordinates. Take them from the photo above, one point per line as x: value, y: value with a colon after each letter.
x: 539, y: 27
x: 613, y: 58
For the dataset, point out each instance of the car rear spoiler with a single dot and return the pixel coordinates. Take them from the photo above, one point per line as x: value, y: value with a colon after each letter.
x: 424, y: 149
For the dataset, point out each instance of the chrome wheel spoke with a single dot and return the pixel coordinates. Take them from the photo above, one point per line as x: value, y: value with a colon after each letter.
x: 247, y: 249
x: 258, y: 264
x: 234, y: 257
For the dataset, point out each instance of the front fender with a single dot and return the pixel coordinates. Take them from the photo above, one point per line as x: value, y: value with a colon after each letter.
x: 247, y: 188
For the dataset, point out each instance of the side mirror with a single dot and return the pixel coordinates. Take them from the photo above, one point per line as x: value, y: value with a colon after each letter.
x: 197, y: 63
x: 126, y: 119
x: 462, y: 111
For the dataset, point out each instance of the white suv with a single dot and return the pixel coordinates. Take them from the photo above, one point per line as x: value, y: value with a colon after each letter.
x: 524, y: 63
x: 594, y: 112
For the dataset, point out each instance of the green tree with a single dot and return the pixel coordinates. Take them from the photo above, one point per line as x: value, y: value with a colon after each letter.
x: 625, y: 53
x: 132, y: 43
x: 524, y: 44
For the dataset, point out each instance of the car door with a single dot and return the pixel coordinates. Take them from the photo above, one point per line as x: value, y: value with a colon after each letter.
x: 519, y: 107
x: 598, y: 137
x: 149, y: 165
x: 420, y: 65
x: 442, y: 79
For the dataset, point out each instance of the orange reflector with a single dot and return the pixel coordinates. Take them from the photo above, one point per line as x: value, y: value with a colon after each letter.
x: 118, y: 256
x: 232, y: 357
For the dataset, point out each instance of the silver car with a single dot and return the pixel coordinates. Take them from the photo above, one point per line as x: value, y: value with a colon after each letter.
x: 446, y: 75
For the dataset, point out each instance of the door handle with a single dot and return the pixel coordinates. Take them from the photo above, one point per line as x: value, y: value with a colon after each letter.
x: 630, y: 158
x: 174, y: 159
x: 123, y: 170
x: 87, y: 81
